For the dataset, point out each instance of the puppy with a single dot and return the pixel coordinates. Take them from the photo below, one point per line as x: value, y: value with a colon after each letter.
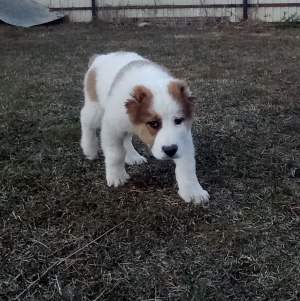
x: 126, y: 94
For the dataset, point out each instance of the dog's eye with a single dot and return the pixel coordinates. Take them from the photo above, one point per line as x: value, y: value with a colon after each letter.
x: 178, y: 120
x: 154, y: 124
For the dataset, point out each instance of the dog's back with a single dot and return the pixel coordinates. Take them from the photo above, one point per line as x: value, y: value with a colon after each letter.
x: 105, y: 69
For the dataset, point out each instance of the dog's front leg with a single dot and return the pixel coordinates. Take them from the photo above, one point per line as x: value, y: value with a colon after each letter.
x: 189, y: 188
x: 114, y: 152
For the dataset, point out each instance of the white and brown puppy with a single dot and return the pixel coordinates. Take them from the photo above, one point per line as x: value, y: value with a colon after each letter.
x: 126, y: 94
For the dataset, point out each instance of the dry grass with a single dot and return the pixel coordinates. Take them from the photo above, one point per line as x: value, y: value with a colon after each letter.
x: 54, y: 203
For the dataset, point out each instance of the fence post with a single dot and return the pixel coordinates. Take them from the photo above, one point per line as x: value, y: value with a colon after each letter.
x: 245, y: 9
x: 94, y: 10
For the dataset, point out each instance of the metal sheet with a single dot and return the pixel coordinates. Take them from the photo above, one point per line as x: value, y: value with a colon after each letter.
x: 26, y: 13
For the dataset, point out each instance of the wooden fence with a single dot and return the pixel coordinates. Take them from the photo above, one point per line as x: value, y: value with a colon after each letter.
x: 176, y: 10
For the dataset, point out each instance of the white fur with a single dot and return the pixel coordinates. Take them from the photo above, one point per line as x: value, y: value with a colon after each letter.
x: 110, y: 115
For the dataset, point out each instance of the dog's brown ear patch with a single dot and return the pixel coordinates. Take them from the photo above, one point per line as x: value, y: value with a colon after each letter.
x: 179, y: 92
x: 92, y: 59
x: 138, y: 108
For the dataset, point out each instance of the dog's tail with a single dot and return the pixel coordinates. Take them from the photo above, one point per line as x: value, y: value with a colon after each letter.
x: 92, y: 59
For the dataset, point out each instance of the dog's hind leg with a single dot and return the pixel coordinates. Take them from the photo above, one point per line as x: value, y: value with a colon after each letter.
x: 90, y: 118
x: 132, y: 156
x: 91, y: 115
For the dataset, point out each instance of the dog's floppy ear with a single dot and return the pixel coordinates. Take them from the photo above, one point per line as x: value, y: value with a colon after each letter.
x: 140, y: 94
x: 180, y: 90
x: 182, y: 94
x: 139, y: 104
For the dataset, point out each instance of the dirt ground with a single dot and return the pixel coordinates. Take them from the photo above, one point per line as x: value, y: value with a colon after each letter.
x: 64, y: 235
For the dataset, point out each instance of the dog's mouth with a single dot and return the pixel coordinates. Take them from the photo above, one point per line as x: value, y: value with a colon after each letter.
x: 171, y: 158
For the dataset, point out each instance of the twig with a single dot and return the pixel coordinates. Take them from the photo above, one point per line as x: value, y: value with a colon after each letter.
x: 58, y: 262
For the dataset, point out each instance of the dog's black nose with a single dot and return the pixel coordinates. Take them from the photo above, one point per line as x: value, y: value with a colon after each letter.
x: 170, y: 150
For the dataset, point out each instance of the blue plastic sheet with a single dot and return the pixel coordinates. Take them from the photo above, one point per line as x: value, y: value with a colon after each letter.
x: 26, y: 13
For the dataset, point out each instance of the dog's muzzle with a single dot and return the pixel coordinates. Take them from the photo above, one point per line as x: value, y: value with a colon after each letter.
x: 171, y: 150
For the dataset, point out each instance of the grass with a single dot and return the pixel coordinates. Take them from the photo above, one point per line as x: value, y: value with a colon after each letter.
x: 53, y: 202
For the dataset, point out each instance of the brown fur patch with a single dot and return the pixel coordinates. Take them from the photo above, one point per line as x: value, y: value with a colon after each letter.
x: 140, y: 114
x: 92, y: 59
x: 90, y: 84
x: 179, y: 92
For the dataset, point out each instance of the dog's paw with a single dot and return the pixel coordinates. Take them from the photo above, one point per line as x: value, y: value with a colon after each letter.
x: 196, y: 195
x: 92, y: 155
x: 117, y: 179
x: 135, y: 159
x: 90, y: 151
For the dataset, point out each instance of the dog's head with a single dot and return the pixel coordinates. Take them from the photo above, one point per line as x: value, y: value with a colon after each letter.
x: 162, y: 117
